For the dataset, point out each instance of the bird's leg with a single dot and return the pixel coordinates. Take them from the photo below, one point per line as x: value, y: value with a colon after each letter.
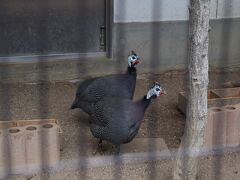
x: 117, y: 149
x: 100, y: 144
x: 99, y: 148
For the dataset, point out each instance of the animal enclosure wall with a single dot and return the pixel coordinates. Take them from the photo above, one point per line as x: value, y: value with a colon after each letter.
x: 158, y: 30
x: 163, y: 45
x: 165, y: 10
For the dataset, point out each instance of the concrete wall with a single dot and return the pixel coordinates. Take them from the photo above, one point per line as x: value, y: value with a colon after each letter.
x: 168, y: 10
x: 159, y: 37
x: 228, y: 9
x: 163, y: 45
x: 158, y: 31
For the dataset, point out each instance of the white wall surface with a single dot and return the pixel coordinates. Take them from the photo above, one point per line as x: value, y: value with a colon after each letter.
x: 228, y: 8
x: 168, y: 10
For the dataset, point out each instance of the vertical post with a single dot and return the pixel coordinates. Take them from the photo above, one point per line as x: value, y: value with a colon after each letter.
x: 187, y: 160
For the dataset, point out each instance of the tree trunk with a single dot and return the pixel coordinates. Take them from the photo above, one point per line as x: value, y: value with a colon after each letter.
x: 187, y: 160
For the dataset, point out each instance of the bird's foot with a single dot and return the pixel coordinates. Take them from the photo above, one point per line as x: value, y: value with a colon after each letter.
x: 117, y: 150
x: 99, y: 148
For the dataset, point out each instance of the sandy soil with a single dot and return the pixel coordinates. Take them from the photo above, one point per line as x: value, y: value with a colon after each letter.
x: 162, y: 120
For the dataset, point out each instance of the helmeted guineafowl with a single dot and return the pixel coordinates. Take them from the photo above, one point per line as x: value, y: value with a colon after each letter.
x: 118, y: 120
x: 117, y: 85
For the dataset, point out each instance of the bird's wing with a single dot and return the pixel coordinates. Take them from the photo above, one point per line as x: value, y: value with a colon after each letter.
x: 99, y: 114
x: 110, y: 109
x: 117, y: 85
x: 84, y: 85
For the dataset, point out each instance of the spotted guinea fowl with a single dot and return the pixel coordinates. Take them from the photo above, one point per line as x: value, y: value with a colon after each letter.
x: 118, y: 120
x: 118, y: 85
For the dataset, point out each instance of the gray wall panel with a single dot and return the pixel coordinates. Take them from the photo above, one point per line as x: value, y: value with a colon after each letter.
x: 163, y: 45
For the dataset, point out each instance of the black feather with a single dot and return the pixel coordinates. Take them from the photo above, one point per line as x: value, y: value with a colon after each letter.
x: 117, y: 120
x: 117, y: 85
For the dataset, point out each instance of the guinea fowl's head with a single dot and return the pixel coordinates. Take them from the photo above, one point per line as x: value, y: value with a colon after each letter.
x: 156, y: 91
x: 133, y: 59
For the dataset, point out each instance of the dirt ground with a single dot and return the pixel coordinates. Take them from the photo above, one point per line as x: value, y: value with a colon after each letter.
x: 48, y: 99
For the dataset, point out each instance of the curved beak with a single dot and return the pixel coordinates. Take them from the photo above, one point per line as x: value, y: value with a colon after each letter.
x: 136, y: 62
